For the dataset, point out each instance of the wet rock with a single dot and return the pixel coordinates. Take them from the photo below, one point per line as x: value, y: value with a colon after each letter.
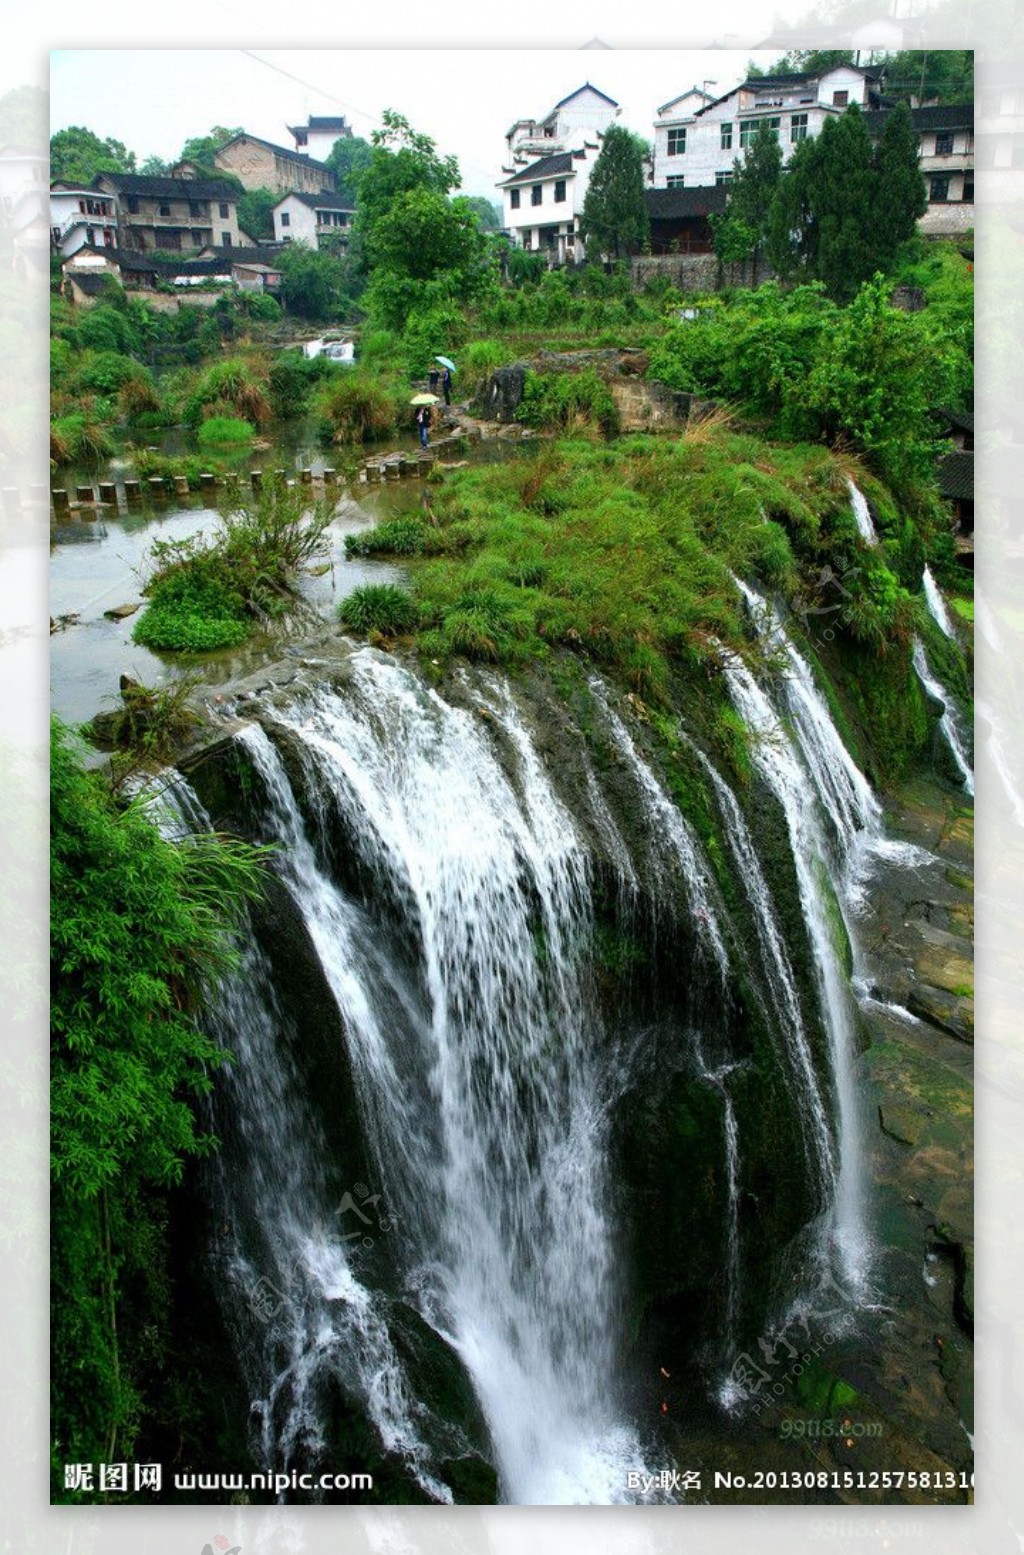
x: 122, y: 612
x: 901, y: 1123
x: 945, y: 1010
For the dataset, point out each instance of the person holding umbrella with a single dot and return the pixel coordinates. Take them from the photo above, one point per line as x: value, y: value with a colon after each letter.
x: 423, y: 403
x: 446, y: 377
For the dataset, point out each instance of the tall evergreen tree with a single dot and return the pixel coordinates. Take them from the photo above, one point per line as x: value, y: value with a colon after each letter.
x: 614, y: 221
x: 899, y: 185
x: 843, y: 202
x: 744, y: 229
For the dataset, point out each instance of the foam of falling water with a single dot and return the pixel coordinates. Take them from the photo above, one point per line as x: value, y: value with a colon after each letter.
x: 776, y: 759
x: 936, y: 604
x: 506, y: 1201
x: 950, y: 722
x: 862, y: 513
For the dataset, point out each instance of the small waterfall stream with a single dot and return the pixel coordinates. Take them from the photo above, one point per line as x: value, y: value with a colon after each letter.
x: 828, y: 805
x: 951, y: 723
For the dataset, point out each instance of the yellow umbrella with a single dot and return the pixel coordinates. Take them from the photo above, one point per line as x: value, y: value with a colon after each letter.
x: 423, y: 399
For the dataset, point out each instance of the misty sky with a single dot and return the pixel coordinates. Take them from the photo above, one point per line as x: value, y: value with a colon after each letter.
x: 465, y: 99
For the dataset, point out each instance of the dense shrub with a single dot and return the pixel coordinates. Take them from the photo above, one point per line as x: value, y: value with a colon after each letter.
x: 567, y: 402
x: 357, y: 407
x: 224, y: 431
x: 378, y: 607
x: 192, y: 611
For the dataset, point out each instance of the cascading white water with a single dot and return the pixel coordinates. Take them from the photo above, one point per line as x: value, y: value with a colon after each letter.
x: 936, y: 604
x: 814, y: 1120
x: 787, y: 777
x: 674, y: 843
x: 862, y: 513
x: 822, y: 782
x: 950, y: 723
x: 490, y: 1102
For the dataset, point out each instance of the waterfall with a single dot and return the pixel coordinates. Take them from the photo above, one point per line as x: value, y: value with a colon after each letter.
x: 815, y: 780
x: 480, y: 1075
x: 951, y: 722
x: 936, y: 604
x: 814, y: 1118
x: 862, y: 513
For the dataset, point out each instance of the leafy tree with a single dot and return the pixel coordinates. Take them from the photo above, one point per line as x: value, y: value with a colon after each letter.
x: 745, y: 226
x: 23, y: 116
x: 312, y: 284
x: 807, y: 61
x: 77, y: 155
x: 401, y: 160
x: 614, y: 221
x: 202, y: 149
x: 256, y: 212
x: 487, y: 213
x: 140, y: 929
x: 424, y: 234
x: 930, y: 76
x: 347, y: 158
x: 155, y: 167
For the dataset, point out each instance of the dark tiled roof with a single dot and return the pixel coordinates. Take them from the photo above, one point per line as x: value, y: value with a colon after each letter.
x: 320, y: 202
x: 547, y: 167
x: 669, y: 204
x: 91, y: 285
x: 959, y: 116
x: 326, y: 122
x: 279, y: 151
x: 168, y: 188
x: 956, y: 475
x: 263, y: 254
x: 136, y: 262
x: 963, y: 420
x: 586, y: 85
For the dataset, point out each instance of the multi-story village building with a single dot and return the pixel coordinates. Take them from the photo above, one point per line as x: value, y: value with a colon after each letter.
x: 696, y: 141
x: 549, y: 162
x: 312, y: 219
x: 259, y: 164
x: 316, y: 137
x: 170, y: 213
x: 79, y: 215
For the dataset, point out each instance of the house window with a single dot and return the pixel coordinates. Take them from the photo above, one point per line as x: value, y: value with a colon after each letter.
x: 968, y: 194
x: 536, y: 194
x: 798, y: 127
x: 938, y: 192
x: 840, y: 99
x: 225, y: 239
x: 513, y: 196
x: 286, y: 219
x: 676, y: 181
x: 560, y: 191
x: 224, y: 210
x: 751, y: 127
x: 724, y: 177
x: 165, y: 209
x: 726, y: 137
x: 133, y: 205
x: 677, y: 142
x: 943, y: 145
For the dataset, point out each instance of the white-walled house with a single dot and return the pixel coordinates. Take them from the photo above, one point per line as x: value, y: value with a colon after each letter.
x: 542, y: 204
x: 79, y: 216
x: 581, y: 117
x: 316, y: 137
x: 549, y: 162
x: 696, y: 142
x: 308, y: 218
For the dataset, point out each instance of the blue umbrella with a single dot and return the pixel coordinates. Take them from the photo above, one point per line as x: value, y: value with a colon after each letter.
x: 446, y: 361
